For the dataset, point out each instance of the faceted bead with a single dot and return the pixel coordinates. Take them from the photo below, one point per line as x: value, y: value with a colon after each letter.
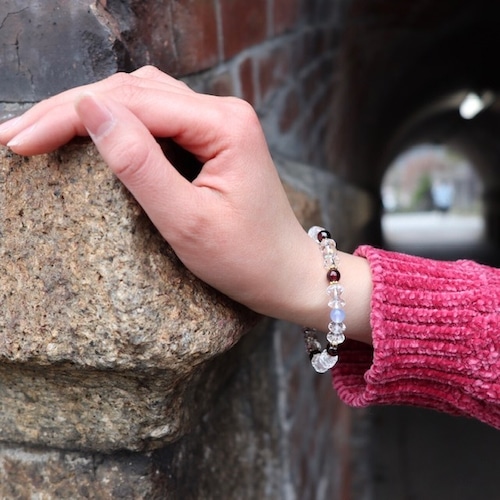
x: 336, y: 303
x: 329, y: 261
x: 337, y: 315
x: 333, y: 275
x: 323, y: 362
x: 335, y: 338
x: 336, y: 327
x: 335, y: 290
x: 328, y: 246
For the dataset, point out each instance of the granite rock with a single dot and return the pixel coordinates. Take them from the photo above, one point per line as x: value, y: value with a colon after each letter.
x: 106, y: 339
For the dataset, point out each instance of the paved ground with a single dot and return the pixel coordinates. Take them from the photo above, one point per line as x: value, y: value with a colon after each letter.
x: 419, y: 454
x: 425, y: 455
x: 430, y: 228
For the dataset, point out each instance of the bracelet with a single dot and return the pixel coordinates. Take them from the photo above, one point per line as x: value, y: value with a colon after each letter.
x: 323, y: 360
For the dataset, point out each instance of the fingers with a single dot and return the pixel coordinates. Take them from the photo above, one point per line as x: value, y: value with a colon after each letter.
x: 52, y: 127
x: 46, y: 134
x: 200, y: 123
x: 57, y: 115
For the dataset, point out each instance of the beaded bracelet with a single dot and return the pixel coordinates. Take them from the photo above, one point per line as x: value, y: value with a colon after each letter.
x: 324, y: 359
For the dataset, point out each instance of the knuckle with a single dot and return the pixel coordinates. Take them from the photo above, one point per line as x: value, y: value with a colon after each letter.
x: 240, y: 108
x: 148, y: 71
x: 241, y: 117
x: 119, y: 79
x: 128, y: 86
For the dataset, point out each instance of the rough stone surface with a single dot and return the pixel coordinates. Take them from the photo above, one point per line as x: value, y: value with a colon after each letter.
x: 81, y: 371
x: 34, y: 473
x: 232, y: 452
x: 47, y: 46
x: 103, y: 331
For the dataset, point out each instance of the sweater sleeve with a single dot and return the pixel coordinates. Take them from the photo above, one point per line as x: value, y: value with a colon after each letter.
x: 436, y: 338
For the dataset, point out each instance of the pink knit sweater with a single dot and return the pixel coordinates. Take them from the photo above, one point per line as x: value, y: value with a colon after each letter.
x: 436, y: 338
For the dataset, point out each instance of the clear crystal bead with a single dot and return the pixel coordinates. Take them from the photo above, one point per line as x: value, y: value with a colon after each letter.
x: 328, y: 246
x: 335, y: 291
x: 336, y: 327
x: 336, y: 303
x: 322, y: 362
x: 335, y: 338
x: 331, y: 260
x: 328, y: 261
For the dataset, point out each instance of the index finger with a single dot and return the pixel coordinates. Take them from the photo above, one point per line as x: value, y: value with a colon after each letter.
x: 60, y: 111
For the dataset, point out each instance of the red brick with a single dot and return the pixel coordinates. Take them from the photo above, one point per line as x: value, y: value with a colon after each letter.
x: 195, y: 35
x: 307, y: 8
x: 317, y: 77
x: 290, y: 112
x: 244, y: 24
x: 300, y: 56
x: 286, y: 15
x: 274, y: 69
x: 246, y: 75
x: 317, y: 11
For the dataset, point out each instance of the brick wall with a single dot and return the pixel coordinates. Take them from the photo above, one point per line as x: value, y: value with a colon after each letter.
x: 277, y: 54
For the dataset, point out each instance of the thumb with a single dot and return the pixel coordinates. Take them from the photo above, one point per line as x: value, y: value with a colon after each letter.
x: 133, y: 154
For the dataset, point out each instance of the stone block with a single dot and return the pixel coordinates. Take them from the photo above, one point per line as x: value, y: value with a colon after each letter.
x: 51, y: 474
x: 232, y: 452
x: 49, y: 46
x: 106, y: 340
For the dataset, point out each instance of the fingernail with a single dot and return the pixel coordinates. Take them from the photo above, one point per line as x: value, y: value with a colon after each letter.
x: 22, y: 137
x: 96, y: 117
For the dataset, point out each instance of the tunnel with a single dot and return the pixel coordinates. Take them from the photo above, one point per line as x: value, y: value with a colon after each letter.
x: 404, y: 70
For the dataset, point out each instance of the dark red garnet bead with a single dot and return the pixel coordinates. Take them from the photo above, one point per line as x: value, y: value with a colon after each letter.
x: 332, y: 350
x: 333, y: 275
x: 324, y: 234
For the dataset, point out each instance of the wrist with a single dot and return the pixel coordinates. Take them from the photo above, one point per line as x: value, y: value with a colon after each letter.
x: 301, y: 297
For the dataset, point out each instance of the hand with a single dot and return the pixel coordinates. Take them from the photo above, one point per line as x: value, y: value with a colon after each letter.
x: 232, y: 226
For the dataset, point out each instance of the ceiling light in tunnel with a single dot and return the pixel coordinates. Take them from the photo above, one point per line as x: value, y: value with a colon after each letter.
x: 473, y: 104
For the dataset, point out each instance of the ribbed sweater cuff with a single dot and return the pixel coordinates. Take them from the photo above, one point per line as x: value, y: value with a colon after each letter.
x: 435, y: 338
